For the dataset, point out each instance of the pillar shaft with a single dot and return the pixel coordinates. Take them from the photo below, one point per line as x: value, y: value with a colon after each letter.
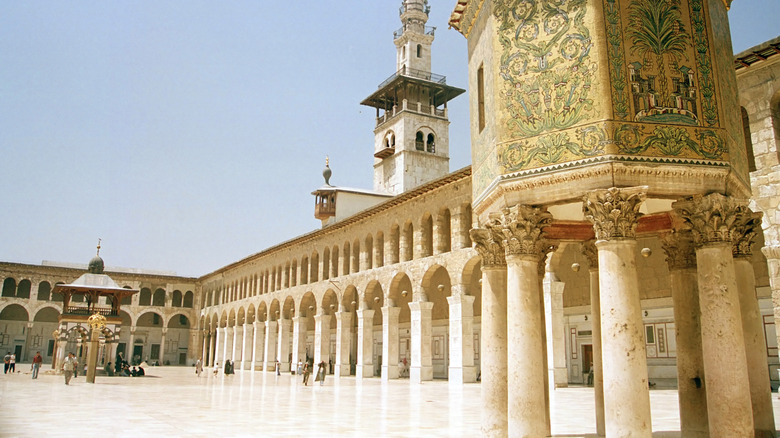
x: 258, y: 349
x: 246, y: 350
x: 462, y: 369
x: 343, y: 342
x: 390, y: 342
x: 238, y: 345
x: 227, y: 350
x: 269, y: 359
x: 321, y: 338
x: 598, y: 366
x: 283, y: 347
x: 422, y: 332
x: 365, y: 343
x: 299, y: 340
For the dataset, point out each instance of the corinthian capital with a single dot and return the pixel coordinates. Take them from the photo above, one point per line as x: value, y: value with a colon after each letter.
x: 488, y: 242
x: 712, y: 218
x: 678, y: 246
x: 744, y: 234
x: 614, y: 212
x: 523, y: 230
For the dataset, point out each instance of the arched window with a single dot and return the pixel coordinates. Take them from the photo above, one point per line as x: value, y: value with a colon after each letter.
x: 23, y: 290
x: 145, y: 298
x: 426, y: 246
x: 9, y: 287
x: 44, y: 291
x: 159, y: 298
x: 430, y: 146
x: 127, y: 299
x: 188, y: 299
x: 751, y: 159
x: 419, y: 143
x: 419, y: 50
x: 176, y: 299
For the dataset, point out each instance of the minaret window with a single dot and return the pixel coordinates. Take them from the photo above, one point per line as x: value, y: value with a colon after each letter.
x: 419, y: 50
x: 418, y: 142
x: 430, y: 146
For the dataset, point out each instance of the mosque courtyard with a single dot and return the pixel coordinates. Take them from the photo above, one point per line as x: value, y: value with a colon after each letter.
x: 174, y: 402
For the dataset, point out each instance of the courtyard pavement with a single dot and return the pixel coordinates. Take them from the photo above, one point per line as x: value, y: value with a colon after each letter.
x: 174, y: 402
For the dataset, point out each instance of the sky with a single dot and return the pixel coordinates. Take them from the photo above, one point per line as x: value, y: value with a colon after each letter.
x: 190, y: 134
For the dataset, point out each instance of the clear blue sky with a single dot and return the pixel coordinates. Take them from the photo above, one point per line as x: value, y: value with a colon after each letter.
x: 189, y: 134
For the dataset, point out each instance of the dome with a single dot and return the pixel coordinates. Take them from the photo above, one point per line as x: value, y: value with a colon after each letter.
x: 95, y: 265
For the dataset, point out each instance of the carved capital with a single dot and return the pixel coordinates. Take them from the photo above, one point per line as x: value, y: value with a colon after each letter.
x: 614, y: 212
x: 771, y: 252
x: 678, y: 246
x: 744, y: 234
x: 712, y: 218
x: 488, y: 242
x: 591, y: 253
x: 544, y: 260
x: 522, y: 226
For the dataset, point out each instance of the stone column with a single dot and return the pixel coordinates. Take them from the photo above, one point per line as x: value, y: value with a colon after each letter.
x: 283, y: 347
x: 493, y: 353
x: 390, y: 341
x: 753, y: 325
x: 238, y: 344
x: 219, y: 345
x: 214, y: 346
x: 321, y: 337
x: 711, y: 219
x: 258, y: 348
x: 162, y: 345
x: 246, y: 350
x: 343, y: 341
x: 591, y: 253
x: 204, y: 353
x: 421, y: 337
x: 269, y: 359
x: 615, y: 214
x: 772, y: 254
x: 227, y: 352
x: 299, y: 340
x: 461, y: 222
x: 692, y: 394
x: 555, y: 326
x: 462, y: 369
x: 524, y: 245
x: 365, y: 344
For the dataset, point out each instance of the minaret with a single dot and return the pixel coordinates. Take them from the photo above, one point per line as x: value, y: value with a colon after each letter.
x: 411, y: 137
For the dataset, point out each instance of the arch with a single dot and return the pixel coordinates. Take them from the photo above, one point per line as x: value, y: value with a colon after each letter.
x: 176, y: 301
x: 315, y: 264
x: 188, y: 298
x: 14, y: 312
x: 437, y: 286
x: 288, y: 308
x: 178, y: 321
x: 400, y: 293
x: 345, y: 259
x: 426, y: 243
x: 334, y: 268
x: 379, y: 250
x: 751, y: 159
x: 304, y: 270
x: 23, y: 289
x: 326, y: 263
x: 389, y: 139
x: 274, y: 310
x: 407, y: 242
x: 430, y: 143
x: 250, y: 314
x: 419, y: 50
x: 443, y: 231
x: 145, y: 297
x: 158, y: 299
x: 44, y: 291
x: 241, y: 317
x: 47, y: 314
x: 471, y: 279
x: 149, y: 318
x: 330, y: 305
x: 355, y: 257
x: 419, y: 141
x: 374, y: 299
x: 294, y: 273
x: 262, y: 311
x: 127, y: 321
x: 9, y: 287
x: 57, y: 298
x: 395, y: 244
x: 369, y: 251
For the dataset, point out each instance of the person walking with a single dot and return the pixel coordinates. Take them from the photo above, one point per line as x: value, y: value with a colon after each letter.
x: 198, y: 367
x: 306, y: 373
x: 36, y: 365
x: 68, y: 366
x: 6, y: 362
x: 12, y: 364
x: 75, y: 366
x: 278, y: 368
x: 300, y: 367
x: 216, y: 368
x: 320, y: 373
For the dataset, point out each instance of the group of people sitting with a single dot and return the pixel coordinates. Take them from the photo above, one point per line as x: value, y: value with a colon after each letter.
x: 122, y: 368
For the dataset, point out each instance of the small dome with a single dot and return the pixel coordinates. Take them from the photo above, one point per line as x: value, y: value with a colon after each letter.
x: 95, y: 265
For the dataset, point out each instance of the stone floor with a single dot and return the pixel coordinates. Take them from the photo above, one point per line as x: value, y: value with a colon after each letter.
x: 174, y: 402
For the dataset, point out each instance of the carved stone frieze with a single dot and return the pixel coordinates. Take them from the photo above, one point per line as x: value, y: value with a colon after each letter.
x: 744, y: 234
x: 678, y: 246
x: 614, y: 212
x: 522, y: 226
x: 489, y: 243
x: 712, y: 218
x: 591, y: 253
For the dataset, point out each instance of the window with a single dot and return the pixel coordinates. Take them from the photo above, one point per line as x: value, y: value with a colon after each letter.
x: 419, y: 50
x: 481, y: 98
x: 418, y: 142
x: 430, y: 145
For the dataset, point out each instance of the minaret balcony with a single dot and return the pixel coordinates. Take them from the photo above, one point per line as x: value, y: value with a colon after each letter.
x: 429, y: 30
x: 418, y: 108
x: 417, y: 74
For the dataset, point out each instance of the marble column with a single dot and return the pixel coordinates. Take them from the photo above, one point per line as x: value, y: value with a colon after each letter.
x: 283, y: 346
x: 711, y: 220
x: 526, y: 377
x: 238, y: 344
x: 213, y: 349
x: 269, y: 355
x: 343, y: 342
x: 321, y: 338
x: 162, y: 345
x: 390, y: 341
x: 299, y: 340
x: 365, y: 344
x: 219, y: 343
x: 421, y: 338
x: 753, y: 325
x: 692, y: 394
x: 462, y: 369
x: 204, y: 352
x: 258, y: 349
x: 227, y: 352
x: 615, y: 214
x: 246, y: 350
x: 591, y: 253
x: 556, y: 328
x: 493, y: 352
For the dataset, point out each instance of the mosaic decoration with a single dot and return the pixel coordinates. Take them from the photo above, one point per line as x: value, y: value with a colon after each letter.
x: 554, y: 148
x: 617, y: 61
x: 698, y: 25
x: 545, y: 64
x: 669, y: 141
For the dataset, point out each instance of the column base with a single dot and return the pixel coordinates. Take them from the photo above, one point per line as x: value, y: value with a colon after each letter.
x: 458, y: 375
x: 560, y: 377
x: 284, y: 367
x: 420, y: 374
x: 390, y: 372
x: 341, y: 370
x: 364, y: 371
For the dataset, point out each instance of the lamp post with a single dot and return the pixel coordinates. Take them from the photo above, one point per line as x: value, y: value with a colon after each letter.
x: 96, y: 322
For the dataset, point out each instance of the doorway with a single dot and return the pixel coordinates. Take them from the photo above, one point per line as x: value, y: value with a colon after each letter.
x: 138, y: 352
x: 18, y: 353
x: 587, y: 363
